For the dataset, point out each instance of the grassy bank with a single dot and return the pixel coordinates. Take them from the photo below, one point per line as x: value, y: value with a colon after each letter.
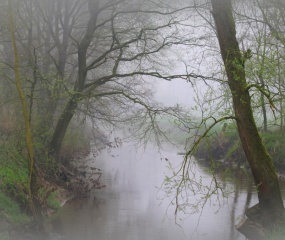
x: 14, y: 210
x: 11, y: 217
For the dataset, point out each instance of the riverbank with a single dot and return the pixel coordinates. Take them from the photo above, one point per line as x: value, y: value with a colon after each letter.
x: 223, y: 149
x: 17, y: 225
x: 77, y: 178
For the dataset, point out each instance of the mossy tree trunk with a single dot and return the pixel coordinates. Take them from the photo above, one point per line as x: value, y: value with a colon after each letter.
x: 270, y: 201
x: 33, y: 181
x: 72, y: 104
x: 61, y: 127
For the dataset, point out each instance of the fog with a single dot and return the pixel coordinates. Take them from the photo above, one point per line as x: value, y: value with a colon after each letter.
x: 106, y: 64
x: 175, y: 92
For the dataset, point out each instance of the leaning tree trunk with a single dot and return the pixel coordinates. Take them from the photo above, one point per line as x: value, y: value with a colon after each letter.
x: 61, y: 127
x: 270, y: 207
x: 72, y: 104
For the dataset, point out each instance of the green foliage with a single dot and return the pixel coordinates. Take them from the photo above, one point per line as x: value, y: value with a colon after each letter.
x: 10, y: 214
x: 49, y: 198
x: 52, y: 201
x: 13, y: 173
x: 222, y: 143
x: 10, y: 211
x: 227, y: 146
x: 233, y: 149
x: 275, y: 143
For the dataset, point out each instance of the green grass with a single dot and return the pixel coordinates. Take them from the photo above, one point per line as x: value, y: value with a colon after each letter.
x: 10, y: 211
x: 10, y: 215
x: 49, y: 197
x: 13, y: 175
x: 52, y: 201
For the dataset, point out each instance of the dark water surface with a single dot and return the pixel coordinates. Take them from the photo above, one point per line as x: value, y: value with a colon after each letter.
x: 131, y: 206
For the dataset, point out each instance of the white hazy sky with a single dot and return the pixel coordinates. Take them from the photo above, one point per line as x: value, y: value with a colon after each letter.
x: 175, y: 92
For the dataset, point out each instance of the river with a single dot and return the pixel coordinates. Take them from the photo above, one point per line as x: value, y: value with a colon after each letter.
x: 133, y: 205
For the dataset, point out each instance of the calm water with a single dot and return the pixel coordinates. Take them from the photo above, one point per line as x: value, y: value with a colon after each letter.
x: 131, y: 206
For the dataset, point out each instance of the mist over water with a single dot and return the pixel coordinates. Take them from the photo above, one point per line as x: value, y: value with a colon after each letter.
x: 132, y: 206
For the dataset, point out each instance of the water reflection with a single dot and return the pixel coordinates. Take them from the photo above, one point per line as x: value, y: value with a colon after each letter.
x: 129, y: 207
